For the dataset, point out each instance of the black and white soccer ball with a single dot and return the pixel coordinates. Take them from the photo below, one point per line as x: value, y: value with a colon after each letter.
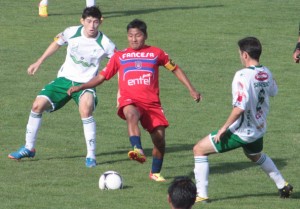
x: 110, y: 180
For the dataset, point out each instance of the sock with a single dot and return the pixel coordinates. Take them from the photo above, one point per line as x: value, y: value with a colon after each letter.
x: 44, y: 2
x: 201, y: 171
x: 32, y: 128
x: 268, y: 166
x: 90, y: 3
x: 89, y: 129
x: 135, y: 142
x: 156, y: 165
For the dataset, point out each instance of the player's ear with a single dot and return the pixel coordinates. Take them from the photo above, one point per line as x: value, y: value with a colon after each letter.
x: 101, y: 20
x: 246, y: 55
x: 81, y: 21
x: 243, y: 54
x: 169, y: 198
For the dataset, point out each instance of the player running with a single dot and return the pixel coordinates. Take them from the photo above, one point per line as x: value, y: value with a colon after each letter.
x: 86, y: 48
x: 138, y: 67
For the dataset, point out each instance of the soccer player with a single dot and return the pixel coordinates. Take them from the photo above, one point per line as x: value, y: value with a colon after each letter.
x: 137, y: 67
x: 296, y: 54
x: 43, y: 6
x: 246, y: 125
x: 87, y: 46
x: 182, y: 193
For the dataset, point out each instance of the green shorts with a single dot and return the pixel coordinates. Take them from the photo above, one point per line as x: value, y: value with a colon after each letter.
x: 230, y: 141
x: 56, y: 93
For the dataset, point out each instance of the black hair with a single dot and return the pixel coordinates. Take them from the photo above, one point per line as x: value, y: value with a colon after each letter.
x: 252, y: 46
x: 139, y: 24
x: 182, y: 192
x: 93, y: 11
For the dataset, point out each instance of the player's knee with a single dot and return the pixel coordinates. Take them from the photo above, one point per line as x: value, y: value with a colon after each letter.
x: 132, y: 117
x: 254, y: 157
x: 199, y: 149
x: 85, y: 111
x: 196, y: 150
x: 38, y: 106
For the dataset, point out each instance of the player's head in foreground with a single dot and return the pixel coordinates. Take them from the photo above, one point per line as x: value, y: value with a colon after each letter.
x: 136, y: 34
x: 182, y: 193
x: 91, y: 19
x: 249, y: 49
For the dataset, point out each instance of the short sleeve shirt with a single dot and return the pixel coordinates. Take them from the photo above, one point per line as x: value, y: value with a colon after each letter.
x: 138, y: 72
x: 251, y: 90
x: 83, y: 54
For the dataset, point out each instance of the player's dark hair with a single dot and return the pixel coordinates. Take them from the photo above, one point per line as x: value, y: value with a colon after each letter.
x: 182, y: 192
x: 93, y: 11
x: 252, y: 46
x: 139, y: 24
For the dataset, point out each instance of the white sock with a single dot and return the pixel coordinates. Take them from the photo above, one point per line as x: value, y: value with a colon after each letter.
x: 268, y: 166
x: 90, y: 3
x: 89, y: 129
x: 44, y: 2
x: 33, y: 125
x: 201, y: 171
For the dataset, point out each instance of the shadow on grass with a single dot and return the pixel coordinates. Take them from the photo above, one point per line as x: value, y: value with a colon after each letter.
x: 142, y: 11
x: 295, y: 195
x: 215, y: 167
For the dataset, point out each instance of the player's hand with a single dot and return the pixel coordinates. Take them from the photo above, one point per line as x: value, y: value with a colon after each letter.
x: 196, y: 95
x: 33, y: 68
x: 296, y: 56
x: 73, y: 89
x: 220, y: 133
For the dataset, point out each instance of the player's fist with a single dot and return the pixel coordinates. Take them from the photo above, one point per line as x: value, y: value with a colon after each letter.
x: 73, y: 89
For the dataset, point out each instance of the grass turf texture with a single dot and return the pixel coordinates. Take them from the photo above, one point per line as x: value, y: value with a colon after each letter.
x: 201, y: 37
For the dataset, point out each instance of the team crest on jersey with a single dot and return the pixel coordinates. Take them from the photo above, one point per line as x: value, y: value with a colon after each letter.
x: 261, y: 76
x: 138, y: 64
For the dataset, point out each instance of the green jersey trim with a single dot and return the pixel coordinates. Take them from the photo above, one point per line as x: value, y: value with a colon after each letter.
x: 78, y: 32
x: 253, y: 67
x: 84, y: 64
x: 99, y: 40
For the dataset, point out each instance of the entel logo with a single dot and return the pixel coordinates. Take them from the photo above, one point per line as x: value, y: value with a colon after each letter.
x: 261, y: 76
x: 142, y: 80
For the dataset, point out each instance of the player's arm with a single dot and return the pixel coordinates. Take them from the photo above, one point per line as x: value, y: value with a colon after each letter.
x: 108, y: 72
x: 91, y: 84
x: 179, y: 73
x: 52, y: 48
x: 234, y: 115
x: 296, y: 54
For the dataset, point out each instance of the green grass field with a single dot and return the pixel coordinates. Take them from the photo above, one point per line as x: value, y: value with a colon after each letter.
x: 201, y: 36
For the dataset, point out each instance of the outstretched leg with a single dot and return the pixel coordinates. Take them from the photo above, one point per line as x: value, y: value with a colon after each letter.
x: 33, y: 125
x: 269, y: 167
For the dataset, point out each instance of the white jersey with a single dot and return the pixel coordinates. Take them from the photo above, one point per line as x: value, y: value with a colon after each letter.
x: 251, y: 89
x: 83, y: 54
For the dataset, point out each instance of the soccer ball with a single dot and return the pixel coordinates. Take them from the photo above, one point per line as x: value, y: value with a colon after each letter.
x: 110, y: 180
